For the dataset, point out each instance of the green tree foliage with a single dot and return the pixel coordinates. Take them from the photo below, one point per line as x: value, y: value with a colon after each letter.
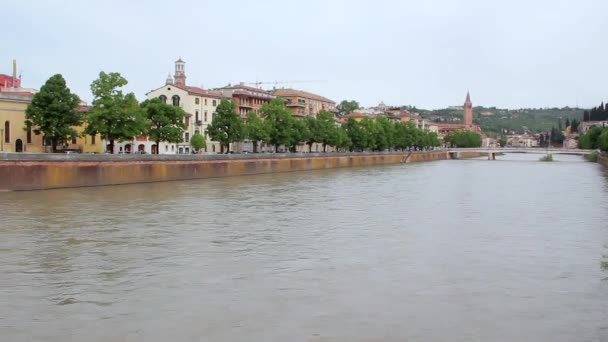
x: 280, y: 123
x: 53, y: 112
x: 590, y: 140
x: 256, y: 130
x: 299, y: 133
x: 166, y: 122
x: 356, y: 135
x: 114, y: 115
x: 382, y: 134
x: 198, y: 141
x: 311, y: 127
x: 341, y: 139
x: 227, y: 126
x: 463, y: 139
x: 325, y: 129
x: 599, y: 113
x: 347, y: 107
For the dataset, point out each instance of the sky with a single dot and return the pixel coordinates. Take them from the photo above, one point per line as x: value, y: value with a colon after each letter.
x: 508, y: 54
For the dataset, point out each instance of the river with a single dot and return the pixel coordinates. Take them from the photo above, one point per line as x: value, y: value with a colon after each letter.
x: 460, y: 250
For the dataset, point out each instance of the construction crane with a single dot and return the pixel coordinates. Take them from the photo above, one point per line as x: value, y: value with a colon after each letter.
x: 275, y: 83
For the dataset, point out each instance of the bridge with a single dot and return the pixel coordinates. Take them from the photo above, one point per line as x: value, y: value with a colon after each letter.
x: 491, y: 151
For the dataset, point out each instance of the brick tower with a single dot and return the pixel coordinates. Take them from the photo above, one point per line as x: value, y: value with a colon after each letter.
x: 468, y: 111
x: 179, y: 79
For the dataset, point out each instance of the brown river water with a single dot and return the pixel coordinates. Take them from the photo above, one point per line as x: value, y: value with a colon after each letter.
x: 460, y: 250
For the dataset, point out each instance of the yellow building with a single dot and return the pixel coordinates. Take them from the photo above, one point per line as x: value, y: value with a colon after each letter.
x: 303, y: 103
x: 13, y: 134
x: 15, y: 137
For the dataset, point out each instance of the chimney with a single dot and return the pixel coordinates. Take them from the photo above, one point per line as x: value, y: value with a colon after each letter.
x: 14, y: 73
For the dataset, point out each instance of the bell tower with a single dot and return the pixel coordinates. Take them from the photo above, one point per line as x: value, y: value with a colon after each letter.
x: 468, y: 111
x: 179, y: 78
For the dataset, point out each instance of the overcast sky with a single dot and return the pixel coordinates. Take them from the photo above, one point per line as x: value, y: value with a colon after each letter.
x: 428, y: 53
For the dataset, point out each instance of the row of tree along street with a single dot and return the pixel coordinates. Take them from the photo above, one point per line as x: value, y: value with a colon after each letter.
x: 54, y: 112
x: 595, y: 138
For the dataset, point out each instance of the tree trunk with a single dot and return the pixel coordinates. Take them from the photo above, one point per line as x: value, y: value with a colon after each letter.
x: 157, y: 147
x: 228, y: 148
x: 276, y: 148
x: 255, y: 146
x: 324, y: 148
x: 310, y: 146
x: 54, y: 145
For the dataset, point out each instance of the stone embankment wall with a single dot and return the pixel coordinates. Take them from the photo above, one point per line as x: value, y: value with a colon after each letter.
x: 48, y: 171
x: 602, y: 158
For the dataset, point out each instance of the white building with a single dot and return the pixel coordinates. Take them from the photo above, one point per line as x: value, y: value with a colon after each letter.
x: 199, y: 105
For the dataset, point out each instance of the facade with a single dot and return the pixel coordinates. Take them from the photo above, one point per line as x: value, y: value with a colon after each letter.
x: 304, y: 104
x: 199, y: 104
x: 468, y: 111
x: 8, y: 81
x: 246, y: 99
x: 13, y: 134
x: 587, y: 125
x: 445, y: 128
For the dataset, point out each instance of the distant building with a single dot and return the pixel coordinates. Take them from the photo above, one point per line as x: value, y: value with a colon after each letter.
x: 587, y: 125
x: 446, y: 128
x: 246, y: 99
x: 304, y: 104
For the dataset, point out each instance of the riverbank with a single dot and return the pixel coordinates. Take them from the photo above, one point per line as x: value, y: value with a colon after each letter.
x: 51, y: 171
x: 602, y: 158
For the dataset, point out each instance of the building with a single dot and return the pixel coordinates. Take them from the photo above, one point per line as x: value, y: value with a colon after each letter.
x: 468, y: 111
x: 14, y: 137
x: 8, y: 81
x: 304, y: 104
x: 587, y: 125
x: 445, y: 128
x: 199, y: 104
x: 246, y: 99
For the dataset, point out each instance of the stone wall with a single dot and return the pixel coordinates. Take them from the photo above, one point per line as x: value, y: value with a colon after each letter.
x: 602, y: 158
x: 48, y: 171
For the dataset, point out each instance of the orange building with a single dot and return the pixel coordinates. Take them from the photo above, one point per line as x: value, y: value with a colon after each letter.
x: 246, y: 99
x: 304, y: 104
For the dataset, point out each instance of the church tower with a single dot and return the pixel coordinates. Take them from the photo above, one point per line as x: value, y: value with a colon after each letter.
x: 468, y: 111
x: 179, y: 78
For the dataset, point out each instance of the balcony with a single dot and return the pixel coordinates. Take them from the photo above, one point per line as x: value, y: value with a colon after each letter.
x: 297, y: 104
x: 199, y: 122
x: 245, y: 105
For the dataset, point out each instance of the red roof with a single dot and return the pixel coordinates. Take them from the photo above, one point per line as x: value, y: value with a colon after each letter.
x: 203, y: 92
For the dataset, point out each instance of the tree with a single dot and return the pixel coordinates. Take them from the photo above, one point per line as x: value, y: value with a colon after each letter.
x: 463, y: 139
x: 324, y: 129
x: 227, y: 126
x: 568, y: 122
x: 53, y: 112
x: 255, y: 129
x: 299, y: 133
x: 311, y: 127
x: 166, y: 122
x: 198, y: 141
x: 279, y: 120
x: 347, y: 107
x: 114, y: 115
x: 356, y: 135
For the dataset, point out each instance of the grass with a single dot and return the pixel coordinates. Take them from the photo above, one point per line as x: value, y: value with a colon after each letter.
x: 592, y: 157
x: 548, y: 158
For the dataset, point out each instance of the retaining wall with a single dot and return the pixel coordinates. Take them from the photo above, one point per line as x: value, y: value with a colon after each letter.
x: 48, y: 171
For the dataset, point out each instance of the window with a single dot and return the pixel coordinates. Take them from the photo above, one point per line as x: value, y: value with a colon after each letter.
x: 187, y: 137
x: 205, y: 102
x: 172, y: 148
x: 187, y: 121
x: 163, y: 98
x: 214, y: 103
x: 29, y: 135
x: 93, y: 137
x: 205, y: 116
x: 196, y: 100
x: 175, y: 99
x: 7, y: 132
x: 196, y: 115
x: 166, y: 148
